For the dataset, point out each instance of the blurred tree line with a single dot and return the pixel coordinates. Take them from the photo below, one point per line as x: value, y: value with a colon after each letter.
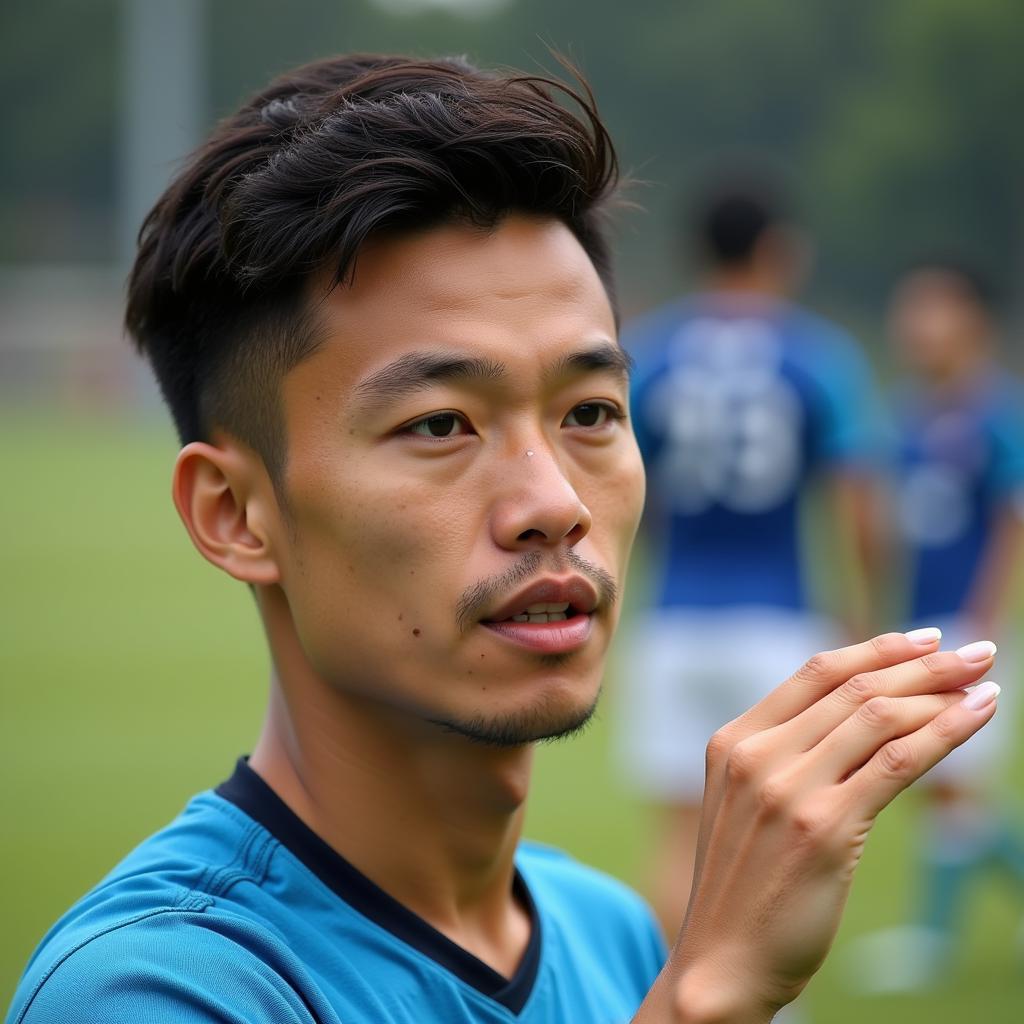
x: 895, y: 117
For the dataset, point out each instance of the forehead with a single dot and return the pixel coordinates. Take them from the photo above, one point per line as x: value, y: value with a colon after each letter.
x: 521, y: 292
x: 933, y: 286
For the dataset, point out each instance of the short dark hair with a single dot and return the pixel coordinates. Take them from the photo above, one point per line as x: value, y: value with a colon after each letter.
x: 733, y: 210
x: 972, y: 283
x: 288, y: 188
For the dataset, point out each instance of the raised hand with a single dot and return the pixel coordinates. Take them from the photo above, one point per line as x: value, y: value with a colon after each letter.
x: 793, y: 788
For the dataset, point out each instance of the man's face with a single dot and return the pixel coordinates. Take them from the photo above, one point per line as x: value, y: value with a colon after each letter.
x: 935, y: 320
x: 457, y: 460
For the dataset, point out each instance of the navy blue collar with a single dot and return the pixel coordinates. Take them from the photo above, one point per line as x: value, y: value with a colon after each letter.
x: 247, y: 791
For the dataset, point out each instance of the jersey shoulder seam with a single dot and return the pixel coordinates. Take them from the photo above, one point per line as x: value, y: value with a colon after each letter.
x: 250, y: 863
x: 188, y: 901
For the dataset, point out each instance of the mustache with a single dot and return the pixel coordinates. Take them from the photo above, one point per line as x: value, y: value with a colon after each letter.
x: 485, y: 593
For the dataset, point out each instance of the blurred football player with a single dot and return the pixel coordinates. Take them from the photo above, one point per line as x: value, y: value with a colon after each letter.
x: 960, y: 501
x: 743, y: 401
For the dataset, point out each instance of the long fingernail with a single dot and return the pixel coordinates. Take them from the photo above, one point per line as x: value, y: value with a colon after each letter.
x: 927, y: 635
x: 980, y: 696
x: 980, y: 650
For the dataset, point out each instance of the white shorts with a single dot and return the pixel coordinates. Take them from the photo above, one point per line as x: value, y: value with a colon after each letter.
x: 984, y: 754
x: 682, y: 673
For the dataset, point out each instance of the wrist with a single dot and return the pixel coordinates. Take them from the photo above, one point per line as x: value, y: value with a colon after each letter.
x: 703, y: 995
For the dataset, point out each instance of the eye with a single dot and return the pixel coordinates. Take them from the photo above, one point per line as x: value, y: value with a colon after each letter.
x: 591, y: 415
x: 439, y: 425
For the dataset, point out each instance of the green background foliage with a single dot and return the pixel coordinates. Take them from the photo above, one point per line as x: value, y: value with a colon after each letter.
x: 897, y: 118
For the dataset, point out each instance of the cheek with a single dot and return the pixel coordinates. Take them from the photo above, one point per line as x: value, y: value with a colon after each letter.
x: 621, y: 500
x: 376, y: 553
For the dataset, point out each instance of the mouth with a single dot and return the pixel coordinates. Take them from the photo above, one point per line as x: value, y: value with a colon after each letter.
x: 540, y: 613
x: 551, y: 617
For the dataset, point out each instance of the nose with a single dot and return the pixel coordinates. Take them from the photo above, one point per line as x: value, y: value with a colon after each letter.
x: 537, y: 505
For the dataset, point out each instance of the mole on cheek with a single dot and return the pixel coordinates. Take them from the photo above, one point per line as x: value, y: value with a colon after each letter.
x: 416, y: 632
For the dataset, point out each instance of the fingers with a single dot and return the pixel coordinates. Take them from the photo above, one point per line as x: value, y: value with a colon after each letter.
x: 940, y: 672
x: 858, y: 737
x: 824, y: 672
x: 902, y: 761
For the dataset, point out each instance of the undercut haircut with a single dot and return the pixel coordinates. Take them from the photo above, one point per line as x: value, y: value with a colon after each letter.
x: 285, y: 192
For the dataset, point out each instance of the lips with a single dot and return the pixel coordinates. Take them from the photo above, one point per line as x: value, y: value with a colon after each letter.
x: 565, y: 624
x: 570, y: 597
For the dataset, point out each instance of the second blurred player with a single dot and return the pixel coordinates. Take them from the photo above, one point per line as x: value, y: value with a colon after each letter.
x: 960, y: 512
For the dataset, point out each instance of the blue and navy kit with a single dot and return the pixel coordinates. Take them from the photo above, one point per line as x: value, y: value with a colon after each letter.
x: 238, y: 912
x: 737, y: 402
x: 961, y: 461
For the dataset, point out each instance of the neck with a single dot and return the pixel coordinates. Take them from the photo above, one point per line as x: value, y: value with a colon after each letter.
x: 748, y: 279
x: 430, y: 817
x: 959, y: 371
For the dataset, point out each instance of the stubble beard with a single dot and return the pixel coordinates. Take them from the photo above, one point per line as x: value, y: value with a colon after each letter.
x: 547, y: 720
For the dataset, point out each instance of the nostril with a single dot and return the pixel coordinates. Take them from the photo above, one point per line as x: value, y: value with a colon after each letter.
x: 530, y: 534
x: 576, y: 533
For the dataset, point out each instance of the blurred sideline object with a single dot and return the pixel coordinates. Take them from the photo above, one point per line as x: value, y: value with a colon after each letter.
x: 959, y: 507
x: 163, y: 103
x: 742, y: 402
x: 60, y: 324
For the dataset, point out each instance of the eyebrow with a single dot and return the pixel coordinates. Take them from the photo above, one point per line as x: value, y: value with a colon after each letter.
x: 601, y: 358
x: 416, y: 371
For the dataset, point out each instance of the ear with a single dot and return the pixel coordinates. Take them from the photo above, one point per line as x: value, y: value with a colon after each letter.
x: 227, y: 505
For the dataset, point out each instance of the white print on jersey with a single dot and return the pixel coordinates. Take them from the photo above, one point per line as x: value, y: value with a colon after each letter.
x: 935, y: 506
x: 731, y: 422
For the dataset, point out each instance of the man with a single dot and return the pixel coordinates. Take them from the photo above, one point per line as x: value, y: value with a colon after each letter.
x: 744, y: 404
x: 377, y: 301
x: 960, y: 487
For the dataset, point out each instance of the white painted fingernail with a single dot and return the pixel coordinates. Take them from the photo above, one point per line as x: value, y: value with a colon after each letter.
x: 980, y: 650
x: 981, y: 696
x: 927, y: 635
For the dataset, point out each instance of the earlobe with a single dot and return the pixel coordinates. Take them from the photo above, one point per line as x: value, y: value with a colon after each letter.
x: 215, y: 492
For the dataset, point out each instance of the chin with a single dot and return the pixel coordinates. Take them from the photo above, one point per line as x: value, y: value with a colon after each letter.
x: 551, y: 717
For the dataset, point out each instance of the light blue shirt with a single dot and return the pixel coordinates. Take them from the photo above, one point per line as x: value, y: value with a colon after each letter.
x: 237, y: 912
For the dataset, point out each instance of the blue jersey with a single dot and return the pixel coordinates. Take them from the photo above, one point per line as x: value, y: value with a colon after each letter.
x: 738, y: 401
x: 238, y: 912
x: 961, y: 462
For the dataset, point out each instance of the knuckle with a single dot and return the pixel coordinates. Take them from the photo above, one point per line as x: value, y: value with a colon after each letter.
x: 885, y: 645
x: 811, y: 824
x: 772, y: 796
x: 743, y: 762
x: 861, y: 687
x: 821, y: 667
x: 935, y: 664
x: 896, y: 760
x: 719, y: 747
x: 879, y: 711
x: 944, y: 727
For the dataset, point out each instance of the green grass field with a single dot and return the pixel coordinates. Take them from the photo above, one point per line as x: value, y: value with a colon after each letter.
x: 133, y: 674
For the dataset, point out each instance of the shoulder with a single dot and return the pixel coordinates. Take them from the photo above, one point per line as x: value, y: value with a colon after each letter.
x: 1004, y: 397
x: 159, y: 936
x: 176, y: 963
x: 819, y: 343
